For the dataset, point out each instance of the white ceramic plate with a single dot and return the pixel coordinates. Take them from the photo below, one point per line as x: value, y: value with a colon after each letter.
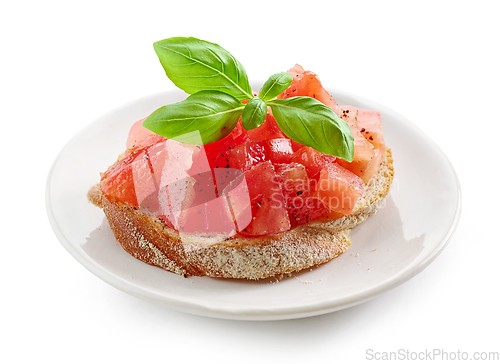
x: 420, y: 215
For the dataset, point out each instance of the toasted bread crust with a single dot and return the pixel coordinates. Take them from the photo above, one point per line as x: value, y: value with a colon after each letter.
x: 305, y: 246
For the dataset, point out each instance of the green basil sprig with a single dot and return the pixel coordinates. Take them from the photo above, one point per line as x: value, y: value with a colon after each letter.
x: 213, y: 114
x: 218, y: 85
x: 254, y: 114
x: 275, y: 85
x: 195, y: 65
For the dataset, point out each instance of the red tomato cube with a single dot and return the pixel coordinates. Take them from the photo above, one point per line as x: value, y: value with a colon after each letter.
x: 269, y: 214
x: 338, y: 188
x: 302, y: 207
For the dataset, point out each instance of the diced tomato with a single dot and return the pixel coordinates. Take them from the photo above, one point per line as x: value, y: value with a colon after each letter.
x: 157, y: 154
x: 254, y: 182
x: 239, y: 134
x: 207, y: 218
x: 204, y: 187
x: 239, y: 199
x: 268, y: 130
x: 148, y: 141
x: 363, y: 150
x: 280, y: 150
x: 306, y: 83
x: 226, y: 177
x: 374, y: 164
x: 176, y: 189
x: 146, y: 188
x: 176, y: 196
x: 311, y: 159
x: 253, y: 152
x: 137, y: 134
x: 132, y: 179
x: 117, y: 183
x: 216, y: 152
x: 200, y: 162
x: 120, y: 187
x: 370, y: 125
x: 296, y: 146
x: 302, y: 207
x: 338, y: 188
x: 247, y: 155
x: 147, y: 169
x: 269, y: 215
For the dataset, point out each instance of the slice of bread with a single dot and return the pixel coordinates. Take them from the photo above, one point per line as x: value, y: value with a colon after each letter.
x: 152, y: 241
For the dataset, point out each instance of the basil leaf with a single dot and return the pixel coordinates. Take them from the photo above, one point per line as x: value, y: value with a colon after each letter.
x: 195, y: 65
x: 310, y: 122
x: 213, y: 114
x: 275, y: 85
x: 254, y: 114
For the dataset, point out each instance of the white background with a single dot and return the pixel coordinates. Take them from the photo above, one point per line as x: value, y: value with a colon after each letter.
x: 66, y: 63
